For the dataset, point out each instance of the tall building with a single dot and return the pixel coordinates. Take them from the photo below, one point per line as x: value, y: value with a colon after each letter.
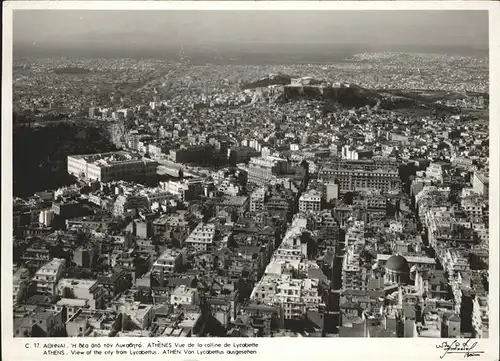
x: 257, y: 200
x: 46, y: 217
x: 332, y: 191
x: 331, y: 317
x: 84, y: 257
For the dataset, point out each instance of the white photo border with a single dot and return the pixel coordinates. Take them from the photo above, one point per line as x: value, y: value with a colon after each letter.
x: 416, y: 349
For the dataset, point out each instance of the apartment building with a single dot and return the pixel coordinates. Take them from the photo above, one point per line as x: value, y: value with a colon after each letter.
x: 168, y: 262
x: 354, y: 175
x: 310, y: 201
x: 257, y: 200
x: 202, y: 237
x: 48, y: 276
x: 480, y: 184
x: 89, y: 290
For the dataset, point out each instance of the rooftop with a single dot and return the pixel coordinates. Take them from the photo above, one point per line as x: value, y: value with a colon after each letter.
x: 398, y: 264
x: 110, y: 158
x: 234, y: 201
x: 190, y: 319
x: 52, y: 267
x: 410, y: 259
x: 72, y: 302
x: 183, y: 290
x: 73, y: 282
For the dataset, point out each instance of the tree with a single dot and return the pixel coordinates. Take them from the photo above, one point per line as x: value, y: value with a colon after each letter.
x: 312, y: 246
x: 58, y: 223
x: 367, y: 256
x: 349, y: 198
x: 174, y: 241
x: 155, y: 240
x: 231, y: 243
x: 57, y: 251
x: 82, y: 238
x: 304, y: 164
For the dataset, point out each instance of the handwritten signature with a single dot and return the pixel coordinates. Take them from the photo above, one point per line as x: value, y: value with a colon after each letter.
x: 467, y: 348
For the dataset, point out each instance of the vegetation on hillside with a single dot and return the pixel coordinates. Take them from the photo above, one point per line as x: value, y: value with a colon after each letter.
x: 40, y: 154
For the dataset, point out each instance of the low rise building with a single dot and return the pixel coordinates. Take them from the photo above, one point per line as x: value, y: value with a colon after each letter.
x: 184, y: 295
x: 169, y: 262
x: 111, y: 166
x: 89, y: 290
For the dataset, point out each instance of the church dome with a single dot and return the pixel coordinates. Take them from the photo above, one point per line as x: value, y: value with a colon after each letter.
x: 397, y: 264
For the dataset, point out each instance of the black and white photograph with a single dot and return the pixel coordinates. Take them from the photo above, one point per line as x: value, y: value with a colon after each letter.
x: 249, y: 173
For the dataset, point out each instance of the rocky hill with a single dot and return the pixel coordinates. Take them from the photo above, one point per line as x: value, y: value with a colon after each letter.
x: 274, y: 79
x: 354, y: 96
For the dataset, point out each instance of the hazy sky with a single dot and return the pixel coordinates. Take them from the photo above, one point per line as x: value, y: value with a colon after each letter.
x: 403, y: 27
